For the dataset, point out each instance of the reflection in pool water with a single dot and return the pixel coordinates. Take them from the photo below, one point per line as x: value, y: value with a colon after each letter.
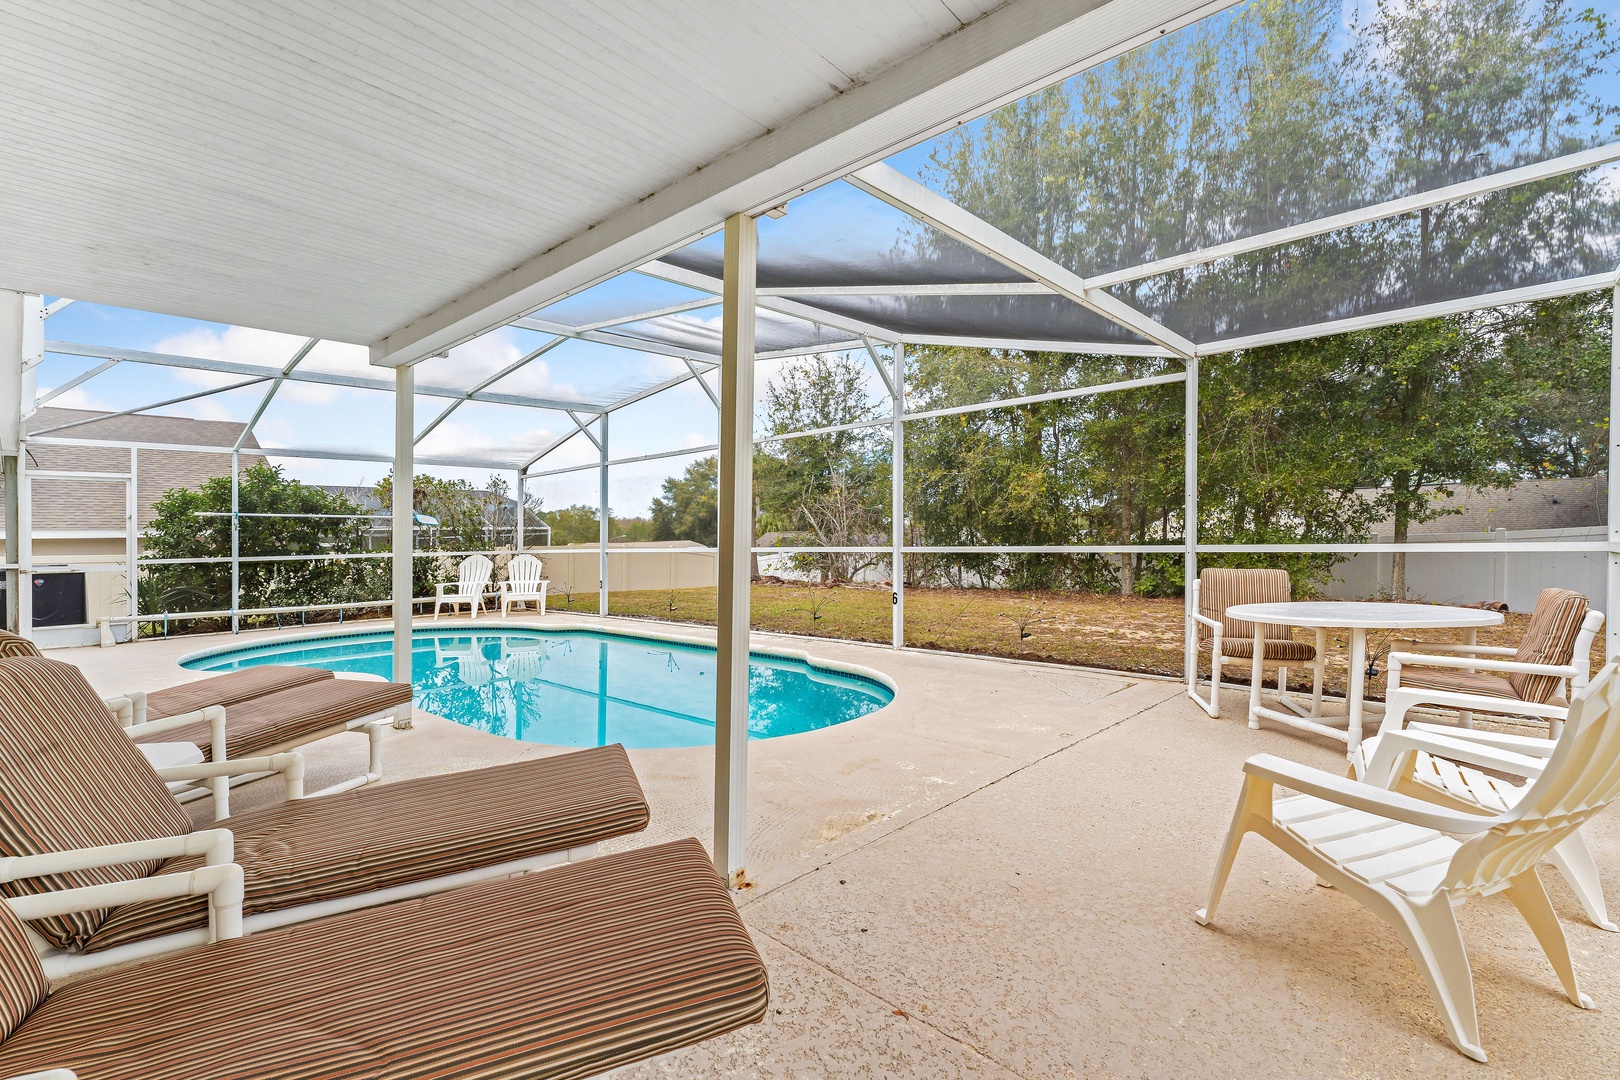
x: 579, y: 687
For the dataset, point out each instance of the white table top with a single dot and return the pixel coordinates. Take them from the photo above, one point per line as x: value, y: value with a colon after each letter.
x: 1354, y: 613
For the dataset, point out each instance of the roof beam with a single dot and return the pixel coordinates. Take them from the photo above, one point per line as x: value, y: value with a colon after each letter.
x: 270, y: 395
x: 82, y: 377
x: 155, y: 405
x: 695, y: 280
x: 495, y: 378
x: 1018, y: 47
x: 908, y: 196
x: 325, y: 378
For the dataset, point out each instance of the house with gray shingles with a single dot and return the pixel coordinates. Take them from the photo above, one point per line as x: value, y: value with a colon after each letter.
x: 84, y: 524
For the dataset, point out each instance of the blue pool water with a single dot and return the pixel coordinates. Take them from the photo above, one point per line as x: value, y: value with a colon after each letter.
x: 579, y: 687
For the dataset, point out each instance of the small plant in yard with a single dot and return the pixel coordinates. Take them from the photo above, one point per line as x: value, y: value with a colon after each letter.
x: 568, y: 593
x: 819, y: 598
x: 1025, y: 618
x: 672, y: 604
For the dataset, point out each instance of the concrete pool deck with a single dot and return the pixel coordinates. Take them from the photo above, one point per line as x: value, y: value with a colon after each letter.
x: 995, y: 876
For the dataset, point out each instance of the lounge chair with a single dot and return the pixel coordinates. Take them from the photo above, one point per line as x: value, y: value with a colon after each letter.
x: 251, y: 713
x: 70, y: 780
x: 1533, y: 680
x: 524, y: 584
x: 472, y: 580
x: 1445, y: 765
x: 1231, y: 641
x: 1400, y: 856
x: 569, y: 973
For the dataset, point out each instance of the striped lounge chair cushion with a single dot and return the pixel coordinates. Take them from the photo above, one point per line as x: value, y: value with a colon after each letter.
x: 567, y: 973
x: 1549, y: 639
x: 230, y: 689
x: 16, y: 645
x: 23, y: 986
x: 288, y: 718
x: 70, y: 778
x: 392, y: 834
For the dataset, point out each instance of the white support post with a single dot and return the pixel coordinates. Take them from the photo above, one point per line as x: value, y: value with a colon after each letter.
x: 404, y: 517
x: 1611, y: 628
x: 132, y: 540
x: 897, y: 493
x: 12, y: 408
x: 1189, y: 527
x: 25, y: 547
x: 236, y: 541
x: 736, y: 540
x: 522, y: 513
x: 602, y: 517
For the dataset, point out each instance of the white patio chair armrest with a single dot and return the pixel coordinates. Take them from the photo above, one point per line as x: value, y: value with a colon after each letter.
x: 122, y: 707
x: 217, y: 846
x: 290, y: 764
x: 221, y: 881
x: 1204, y: 620
x: 1406, y: 645
x: 48, y: 1074
x: 1530, y: 746
x: 212, y: 715
x: 1358, y: 795
x: 1391, y: 745
x: 1476, y: 663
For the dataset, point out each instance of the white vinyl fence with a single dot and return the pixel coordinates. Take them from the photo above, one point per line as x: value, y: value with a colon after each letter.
x: 1514, y: 576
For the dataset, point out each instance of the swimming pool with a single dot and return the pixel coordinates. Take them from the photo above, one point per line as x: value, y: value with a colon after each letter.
x: 580, y: 687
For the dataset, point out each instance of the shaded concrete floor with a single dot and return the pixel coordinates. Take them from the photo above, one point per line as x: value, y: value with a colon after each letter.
x: 995, y: 875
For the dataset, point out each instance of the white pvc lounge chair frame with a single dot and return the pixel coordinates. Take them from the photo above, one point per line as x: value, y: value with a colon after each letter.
x: 525, y: 584
x: 1400, y: 699
x: 1218, y: 658
x: 472, y: 581
x: 1401, y: 858
x: 59, y: 963
x: 128, y: 707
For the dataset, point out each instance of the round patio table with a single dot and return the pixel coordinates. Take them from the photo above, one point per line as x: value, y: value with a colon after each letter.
x: 1358, y: 617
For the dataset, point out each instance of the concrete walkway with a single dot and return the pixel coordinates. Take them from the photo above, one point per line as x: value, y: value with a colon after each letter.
x: 995, y: 876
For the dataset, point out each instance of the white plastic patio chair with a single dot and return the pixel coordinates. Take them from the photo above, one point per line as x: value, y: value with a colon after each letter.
x: 472, y: 579
x: 1552, y: 661
x: 1231, y: 641
x: 524, y: 584
x: 1437, y: 763
x: 1402, y: 858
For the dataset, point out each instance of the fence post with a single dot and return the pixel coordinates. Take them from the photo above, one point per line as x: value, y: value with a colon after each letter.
x: 236, y: 541
x: 897, y: 495
x: 1189, y: 527
x: 1611, y: 629
x: 602, y: 523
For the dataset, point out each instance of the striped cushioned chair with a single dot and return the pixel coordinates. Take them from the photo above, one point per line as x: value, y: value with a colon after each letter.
x: 16, y: 645
x: 71, y: 780
x: 1231, y: 641
x: 1535, y: 680
x: 566, y: 974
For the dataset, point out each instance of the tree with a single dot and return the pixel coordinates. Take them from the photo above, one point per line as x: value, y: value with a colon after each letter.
x: 689, y: 506
x: 195, y: 524
x: 577, y: 524
x: 465, y: 514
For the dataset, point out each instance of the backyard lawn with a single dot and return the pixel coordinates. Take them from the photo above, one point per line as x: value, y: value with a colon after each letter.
x: 1119, y: 632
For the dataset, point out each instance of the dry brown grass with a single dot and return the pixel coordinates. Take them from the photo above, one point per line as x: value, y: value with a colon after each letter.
x: 1124, y: 633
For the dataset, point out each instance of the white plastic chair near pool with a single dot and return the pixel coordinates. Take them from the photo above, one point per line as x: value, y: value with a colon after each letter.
x: 472, y: 579
x: 524, y: 584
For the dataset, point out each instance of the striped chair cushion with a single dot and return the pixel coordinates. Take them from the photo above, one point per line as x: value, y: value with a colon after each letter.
x: 1483, y: 683
x: 262, y: 725
x: 1243, y: 648
x: 23, y: 986
x: 567, y: 973
x: 1549, y: 639
x: 1221, y: 589
x: 229, y: 689
x: 16, y: 645
x: 414, y: 830
x: 70, y: 778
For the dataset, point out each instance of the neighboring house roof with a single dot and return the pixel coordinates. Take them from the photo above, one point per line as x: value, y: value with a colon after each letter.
x: 94, y: 507
x: 1566, y: 503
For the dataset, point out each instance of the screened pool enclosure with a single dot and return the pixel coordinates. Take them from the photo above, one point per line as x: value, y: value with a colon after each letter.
x: 1228, y: 177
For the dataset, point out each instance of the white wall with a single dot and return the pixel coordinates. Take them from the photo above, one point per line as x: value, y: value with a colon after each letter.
x: 1516, y: 576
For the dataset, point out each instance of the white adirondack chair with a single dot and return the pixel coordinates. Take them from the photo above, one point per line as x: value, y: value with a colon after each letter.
x: 1435, y: 763
x: 524, y: 584
x: 471, y: 580
x: 1402, y: 858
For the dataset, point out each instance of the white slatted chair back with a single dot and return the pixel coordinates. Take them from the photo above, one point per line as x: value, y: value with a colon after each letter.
x: 524, y: 573
x: 473, y: 575
x: 1581, y: 778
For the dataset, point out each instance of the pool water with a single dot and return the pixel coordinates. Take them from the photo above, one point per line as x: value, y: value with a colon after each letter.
x: 579, y: 687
